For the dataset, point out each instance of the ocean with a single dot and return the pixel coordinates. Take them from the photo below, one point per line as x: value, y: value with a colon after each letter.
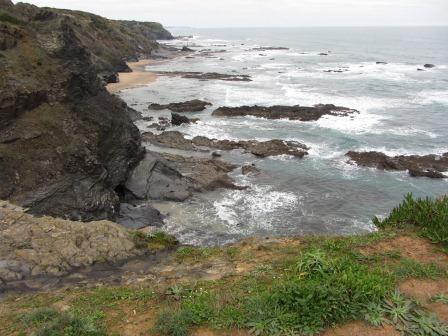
x: 402, y: 111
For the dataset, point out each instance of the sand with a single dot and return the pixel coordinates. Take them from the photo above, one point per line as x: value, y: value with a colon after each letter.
x: 137, y: 77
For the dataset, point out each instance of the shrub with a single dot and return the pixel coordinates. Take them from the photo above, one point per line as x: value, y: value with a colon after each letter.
x: 428, y: 215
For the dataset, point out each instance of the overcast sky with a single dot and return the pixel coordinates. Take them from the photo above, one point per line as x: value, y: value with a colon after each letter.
x: 263, y: 13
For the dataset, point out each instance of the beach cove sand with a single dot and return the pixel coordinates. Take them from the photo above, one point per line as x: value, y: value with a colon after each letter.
x: 137, y: 77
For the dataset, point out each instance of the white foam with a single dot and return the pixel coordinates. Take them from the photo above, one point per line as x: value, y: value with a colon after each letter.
x: 256, y: 202
x: 428, y: 97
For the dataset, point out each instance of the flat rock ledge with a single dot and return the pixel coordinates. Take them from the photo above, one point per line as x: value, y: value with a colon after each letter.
x: 297, y: 112
x: 206, y: 76
x: 47, y: 246
x: 432, y: 166
x: 194, y: 105
x: 175, y: 139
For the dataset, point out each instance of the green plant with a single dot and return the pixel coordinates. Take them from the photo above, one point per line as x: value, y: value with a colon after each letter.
x: 428, y: 215
x: 153, y: 241
x: 47, y: 322
x: 426, y: 324
x: 409, y: 268
x: 441, y: 297
x: 375, y: 314
x: 173, y: 323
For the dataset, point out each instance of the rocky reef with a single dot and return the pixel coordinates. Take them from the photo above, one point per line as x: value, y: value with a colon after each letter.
x: 66, y: 144
x: 194, y: 105
x: 297, y: 112
x: 432, y: 166
x: 174, y: 139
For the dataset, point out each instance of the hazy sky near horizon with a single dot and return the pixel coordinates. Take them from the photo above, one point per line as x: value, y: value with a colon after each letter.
x: 266, y: 13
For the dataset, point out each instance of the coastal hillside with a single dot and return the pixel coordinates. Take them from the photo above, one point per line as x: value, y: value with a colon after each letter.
x: 66, y: 144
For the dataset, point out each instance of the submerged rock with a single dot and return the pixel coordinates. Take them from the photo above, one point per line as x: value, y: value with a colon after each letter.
x: 297, y: 112
x: 194, y: 105
x: 177, y: 119
x: 269, y: 48
x: 429, y: 66
x: 250, y: 169
x: 432, y: 166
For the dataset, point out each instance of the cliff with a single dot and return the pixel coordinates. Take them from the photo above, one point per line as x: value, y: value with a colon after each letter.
x: 66, y: 144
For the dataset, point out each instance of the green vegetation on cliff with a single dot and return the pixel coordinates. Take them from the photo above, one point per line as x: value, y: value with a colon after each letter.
x: 392, y: 279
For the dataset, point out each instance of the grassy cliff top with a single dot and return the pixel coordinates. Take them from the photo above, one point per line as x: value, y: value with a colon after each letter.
x: 390, y: 282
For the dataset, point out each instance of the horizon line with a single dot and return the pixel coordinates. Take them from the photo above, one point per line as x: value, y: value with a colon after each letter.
x: 317, y: 26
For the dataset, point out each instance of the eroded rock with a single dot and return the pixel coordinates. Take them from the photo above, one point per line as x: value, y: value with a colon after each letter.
x: 432, y: 166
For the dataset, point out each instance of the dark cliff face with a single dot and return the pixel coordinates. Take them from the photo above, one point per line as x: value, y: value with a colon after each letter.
x: 66, y: 144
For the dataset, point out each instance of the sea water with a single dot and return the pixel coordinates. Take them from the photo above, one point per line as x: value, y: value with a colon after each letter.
x: 402, y: 111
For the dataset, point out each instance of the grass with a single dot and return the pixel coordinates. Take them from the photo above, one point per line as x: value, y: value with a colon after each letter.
x: 326, y: 289
x: 49, y: 322
x: 427, y: 215
x: 409, y: 268
x: 153, y: 241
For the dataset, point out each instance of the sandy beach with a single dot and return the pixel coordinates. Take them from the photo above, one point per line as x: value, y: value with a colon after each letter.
x: 137, y: 77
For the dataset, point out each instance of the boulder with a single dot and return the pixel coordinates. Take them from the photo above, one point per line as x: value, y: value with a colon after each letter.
x: 155, y: 179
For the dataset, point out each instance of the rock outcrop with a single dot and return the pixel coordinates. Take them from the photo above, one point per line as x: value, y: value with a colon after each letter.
x: 206, y: 76
x: 432, y: 166
x: 31, y: 246
x: 66, y: 144
x: 297, y: 112
x: 194, y: 105
x: 174, y: 139
x: 177, y: 119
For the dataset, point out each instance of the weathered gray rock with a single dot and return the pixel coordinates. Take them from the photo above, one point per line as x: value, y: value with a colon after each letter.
x: 139, y: 216
x: 155, y: 179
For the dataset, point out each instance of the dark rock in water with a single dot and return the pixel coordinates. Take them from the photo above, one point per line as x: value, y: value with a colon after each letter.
x: 148, y: 118
x: 186, y: 49
x: 381, y: 62
x: 139, y: 216
x: 296, y: 112
x: 206, y: 76
x: 250, y: 169
x: 194, y: 105
x: 420, y: 69
x: 432, y: 166
x: 216, y: 154
x: 323, y: 54
x: 177, y: 119
x: 174, y: 139
x: 269, y: 48
x: 155, y: 179
x: 429, y: 66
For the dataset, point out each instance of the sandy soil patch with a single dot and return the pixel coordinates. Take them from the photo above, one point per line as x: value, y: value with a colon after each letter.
x: 361, y: 329
x: 424, y: 291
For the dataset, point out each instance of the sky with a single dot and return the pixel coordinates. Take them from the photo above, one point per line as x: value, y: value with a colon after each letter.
x: 266, y: 13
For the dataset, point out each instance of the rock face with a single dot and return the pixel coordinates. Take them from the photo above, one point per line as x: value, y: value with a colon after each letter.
x: 194, y: 105
x: 301, y: 113
x: 207, y: 76
x: 174, y: 139
x: 432, y: 166
x: 32, y: 246
x: 65, y: 143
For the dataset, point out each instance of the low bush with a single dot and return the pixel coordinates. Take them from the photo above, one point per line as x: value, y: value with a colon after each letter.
x: 428, y: 215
